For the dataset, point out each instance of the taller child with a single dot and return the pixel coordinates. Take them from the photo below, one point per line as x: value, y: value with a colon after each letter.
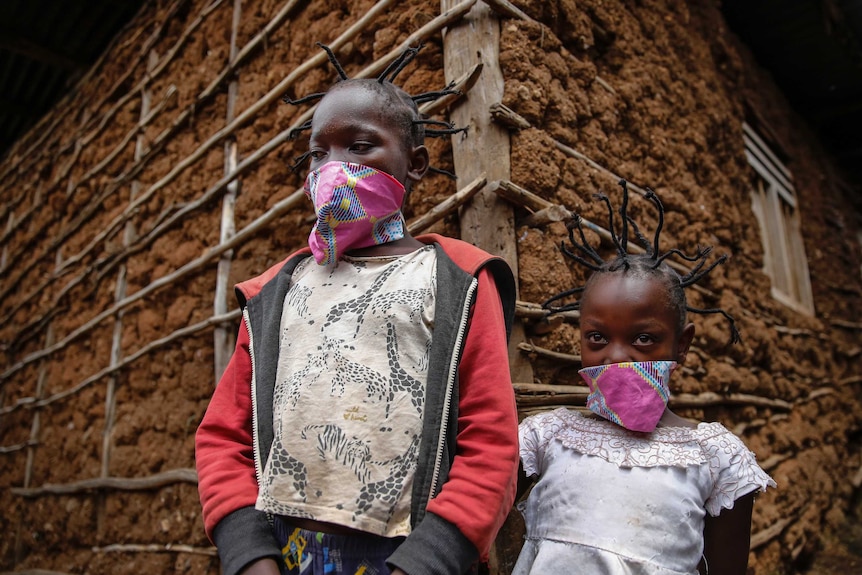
x: 366, y: 422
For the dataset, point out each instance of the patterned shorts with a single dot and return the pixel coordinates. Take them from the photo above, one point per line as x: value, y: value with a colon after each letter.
x: 314, y: 553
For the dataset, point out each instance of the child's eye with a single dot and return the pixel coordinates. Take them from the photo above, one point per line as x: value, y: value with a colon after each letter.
x: 315, y: 154
x: 595, y: 337
x: 359, y: 147
x: 644, y: 339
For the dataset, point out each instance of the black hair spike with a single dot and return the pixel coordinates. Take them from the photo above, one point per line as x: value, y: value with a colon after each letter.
x: 448, y: 128
x: 304, y: 100
x: 641, y: 239
x: 294, y: 132
x: 584, y: 245
x: 624, y: 232
x: 567, y: 307
x: 696, y: 275
x: 443, y: 172
x: 334, y: 61
x: 735, y: 336
x: 298, y: 161
x: 700, y: 255
x: 436, y: 94
x: 397, y: 65
x: 651, y: 195
x: 446, y: 132
x: 429, y: 122
x: 611, y: 225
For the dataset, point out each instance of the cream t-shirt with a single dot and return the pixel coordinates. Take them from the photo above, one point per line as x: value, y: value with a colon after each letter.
x: 350, y: 387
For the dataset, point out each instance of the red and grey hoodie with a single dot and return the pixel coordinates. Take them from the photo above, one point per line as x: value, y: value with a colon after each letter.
x: 465, y: 482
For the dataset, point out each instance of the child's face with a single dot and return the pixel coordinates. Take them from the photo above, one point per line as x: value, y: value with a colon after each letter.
x: 627, y: 318
x: 351, y: 124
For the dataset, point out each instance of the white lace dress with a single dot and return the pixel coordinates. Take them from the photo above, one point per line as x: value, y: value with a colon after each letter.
x: 615, y: 502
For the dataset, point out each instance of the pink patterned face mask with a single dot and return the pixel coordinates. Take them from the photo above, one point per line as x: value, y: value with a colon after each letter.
x: 632, y: 394
x: 357, y: 207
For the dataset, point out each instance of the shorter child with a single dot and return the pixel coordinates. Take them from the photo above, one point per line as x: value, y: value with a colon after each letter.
x: 637, y: 489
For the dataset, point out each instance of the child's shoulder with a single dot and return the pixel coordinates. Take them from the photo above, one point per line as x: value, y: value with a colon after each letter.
x: 559, y: 417
x: 467, y: 256
x: 595, y: 436
x: 251, y: 287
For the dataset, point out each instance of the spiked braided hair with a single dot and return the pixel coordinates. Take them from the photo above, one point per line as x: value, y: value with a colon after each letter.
x: 404, y: 107
x: 650, y: 264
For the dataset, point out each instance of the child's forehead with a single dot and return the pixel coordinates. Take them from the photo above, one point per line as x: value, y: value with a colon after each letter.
x: 356, y: 101
x: 630, y: 301
x: 358, y: 94
x: 624, y: 278
x: 626, y: 287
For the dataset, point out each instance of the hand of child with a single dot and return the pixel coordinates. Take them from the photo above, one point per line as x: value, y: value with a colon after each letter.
x: 397, y: 571
x: 261, y: 567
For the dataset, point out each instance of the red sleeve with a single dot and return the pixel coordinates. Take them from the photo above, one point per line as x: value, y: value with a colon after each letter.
x: 480, y: 490
x: 223, y: 444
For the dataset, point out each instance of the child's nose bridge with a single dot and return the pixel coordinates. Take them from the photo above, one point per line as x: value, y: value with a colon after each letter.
x: 617, y: 352
x: 338, y: 154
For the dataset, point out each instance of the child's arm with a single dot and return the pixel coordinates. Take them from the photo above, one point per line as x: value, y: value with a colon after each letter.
x: 726, y: 539
x: 227, y: 481
x: 262, y: 567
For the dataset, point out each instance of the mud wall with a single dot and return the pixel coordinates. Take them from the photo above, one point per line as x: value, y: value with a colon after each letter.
x: 164, y: 178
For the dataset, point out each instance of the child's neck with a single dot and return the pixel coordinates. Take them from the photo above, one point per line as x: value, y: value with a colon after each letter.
x: 406, y: 245
x: 670, y: 419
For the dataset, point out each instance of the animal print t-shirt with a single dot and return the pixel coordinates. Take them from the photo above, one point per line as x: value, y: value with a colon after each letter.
x: 350, y: 387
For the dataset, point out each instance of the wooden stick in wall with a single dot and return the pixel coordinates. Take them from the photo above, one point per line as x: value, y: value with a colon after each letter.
x: 180, y: 475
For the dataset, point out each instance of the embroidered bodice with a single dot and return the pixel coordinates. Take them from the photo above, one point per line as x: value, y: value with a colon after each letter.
x: 626, y: 502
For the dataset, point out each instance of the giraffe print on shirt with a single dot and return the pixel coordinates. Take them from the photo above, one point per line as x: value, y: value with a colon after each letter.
x: 390, y: 488
x: 373, y: 301
x: 399, y: 379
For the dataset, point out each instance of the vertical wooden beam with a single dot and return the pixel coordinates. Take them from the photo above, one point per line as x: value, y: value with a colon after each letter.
x: 35, y: 431
x: 487, y: 222
x: 120, y: 295
x: 10, y: 224
x: 223, y: 336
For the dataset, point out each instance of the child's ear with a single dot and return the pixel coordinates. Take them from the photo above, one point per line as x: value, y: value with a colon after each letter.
x: 685, y: 339
x: 419, y: 163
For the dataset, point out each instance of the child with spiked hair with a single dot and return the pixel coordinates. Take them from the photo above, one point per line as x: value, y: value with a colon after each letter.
x: 366, y: 422
x: 632, y: 487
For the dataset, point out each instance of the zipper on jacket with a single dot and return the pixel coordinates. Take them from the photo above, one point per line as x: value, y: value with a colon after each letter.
x: 450, y: 384
x: 258, y: 465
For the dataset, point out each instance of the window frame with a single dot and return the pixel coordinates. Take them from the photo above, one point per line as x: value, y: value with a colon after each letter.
x: 773, y: 201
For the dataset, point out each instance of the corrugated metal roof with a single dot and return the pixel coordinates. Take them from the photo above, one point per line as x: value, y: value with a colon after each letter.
x: 45, y: 46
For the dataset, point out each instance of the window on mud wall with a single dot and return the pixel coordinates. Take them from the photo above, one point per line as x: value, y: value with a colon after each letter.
x: 773, y: 200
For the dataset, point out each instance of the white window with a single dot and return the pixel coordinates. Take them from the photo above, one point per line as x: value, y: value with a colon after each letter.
x: 774, y: 203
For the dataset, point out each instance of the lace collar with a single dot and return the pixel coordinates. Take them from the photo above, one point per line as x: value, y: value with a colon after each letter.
x: 666, y: 446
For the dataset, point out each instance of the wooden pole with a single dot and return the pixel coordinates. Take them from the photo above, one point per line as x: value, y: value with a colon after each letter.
x: 487, y: 221
x: 222, y: 334
x: 35, y: 430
